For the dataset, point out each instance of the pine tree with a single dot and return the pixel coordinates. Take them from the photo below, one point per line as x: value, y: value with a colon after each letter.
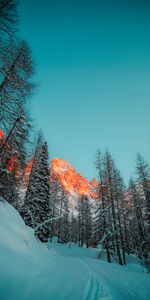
x: 55, y: 195
x: 36, y: 207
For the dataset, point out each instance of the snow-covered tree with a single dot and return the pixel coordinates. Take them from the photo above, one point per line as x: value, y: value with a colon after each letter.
x: 36, y: 207
x: 63, y: 221
x: 84, y: 221
x: 138, y: 226
x: 143, y: 171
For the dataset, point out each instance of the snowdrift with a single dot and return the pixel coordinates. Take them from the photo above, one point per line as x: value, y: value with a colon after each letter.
x: 34, y: 271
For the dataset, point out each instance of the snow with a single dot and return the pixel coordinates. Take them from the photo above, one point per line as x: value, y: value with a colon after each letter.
x: 34, y: 271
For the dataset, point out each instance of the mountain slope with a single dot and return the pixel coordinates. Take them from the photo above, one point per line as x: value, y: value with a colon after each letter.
x: 69, y: 179
x: 61, y: 170
x: 72, y: 181
x: 31, y: 270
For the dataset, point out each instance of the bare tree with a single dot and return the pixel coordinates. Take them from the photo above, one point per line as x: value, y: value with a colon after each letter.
x: 8, y: 17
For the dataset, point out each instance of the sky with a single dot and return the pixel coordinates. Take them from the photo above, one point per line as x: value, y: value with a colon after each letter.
x: 93, y: 68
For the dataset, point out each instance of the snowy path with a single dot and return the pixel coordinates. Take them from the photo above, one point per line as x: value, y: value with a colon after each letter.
x: 118, y: 283
x: 94, y: 289
x: 31, y: 271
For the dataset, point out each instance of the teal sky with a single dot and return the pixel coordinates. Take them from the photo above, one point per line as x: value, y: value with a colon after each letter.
x: 93, y: 65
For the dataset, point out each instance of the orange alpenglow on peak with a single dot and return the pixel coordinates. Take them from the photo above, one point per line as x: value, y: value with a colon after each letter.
x: 72, y: 181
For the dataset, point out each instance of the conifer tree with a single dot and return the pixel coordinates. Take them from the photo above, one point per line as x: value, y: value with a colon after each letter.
x: 36, y: 207
x: 63, y: 222
x: 55, y: 195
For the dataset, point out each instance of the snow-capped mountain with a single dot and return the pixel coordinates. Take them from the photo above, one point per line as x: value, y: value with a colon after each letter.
x: 71, y: 181
x: 62, y: 171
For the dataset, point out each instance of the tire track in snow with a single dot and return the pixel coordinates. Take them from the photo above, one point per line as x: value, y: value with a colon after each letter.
x: 111, y: 289
x: 94, y: 289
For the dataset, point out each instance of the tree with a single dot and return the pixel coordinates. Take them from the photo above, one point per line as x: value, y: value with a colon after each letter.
x: 102, y: 214
x: 16, y: 70
x: 84, y: 221
x: 109, y: 219
x: 138, y: 234
x: 36, y: 207
x: 63, y: 223
x: 120, y: 198
x: 8, y: 18
x: 55, y: 198
x: 8, y: 173
x: 143, y: 171
x: 16, y: 86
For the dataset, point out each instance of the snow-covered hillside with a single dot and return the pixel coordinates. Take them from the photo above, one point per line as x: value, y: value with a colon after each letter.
x: 34, y: 271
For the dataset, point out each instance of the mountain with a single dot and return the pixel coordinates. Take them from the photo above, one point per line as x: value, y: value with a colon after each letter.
x: 72, y: 182
x: 61, y: 170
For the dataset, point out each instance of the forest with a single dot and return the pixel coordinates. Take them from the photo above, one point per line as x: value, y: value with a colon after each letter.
x: 117, y: 220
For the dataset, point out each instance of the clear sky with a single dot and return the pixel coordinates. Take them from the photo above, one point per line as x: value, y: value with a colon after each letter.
x: 93, y: 65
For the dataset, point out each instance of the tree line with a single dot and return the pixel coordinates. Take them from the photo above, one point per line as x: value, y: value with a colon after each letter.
x: 118, y: 221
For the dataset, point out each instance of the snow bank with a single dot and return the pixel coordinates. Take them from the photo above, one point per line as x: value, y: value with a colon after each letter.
x: 33, y: 271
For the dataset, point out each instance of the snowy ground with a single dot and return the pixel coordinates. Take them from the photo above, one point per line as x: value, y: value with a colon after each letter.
x: 33, y: 271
